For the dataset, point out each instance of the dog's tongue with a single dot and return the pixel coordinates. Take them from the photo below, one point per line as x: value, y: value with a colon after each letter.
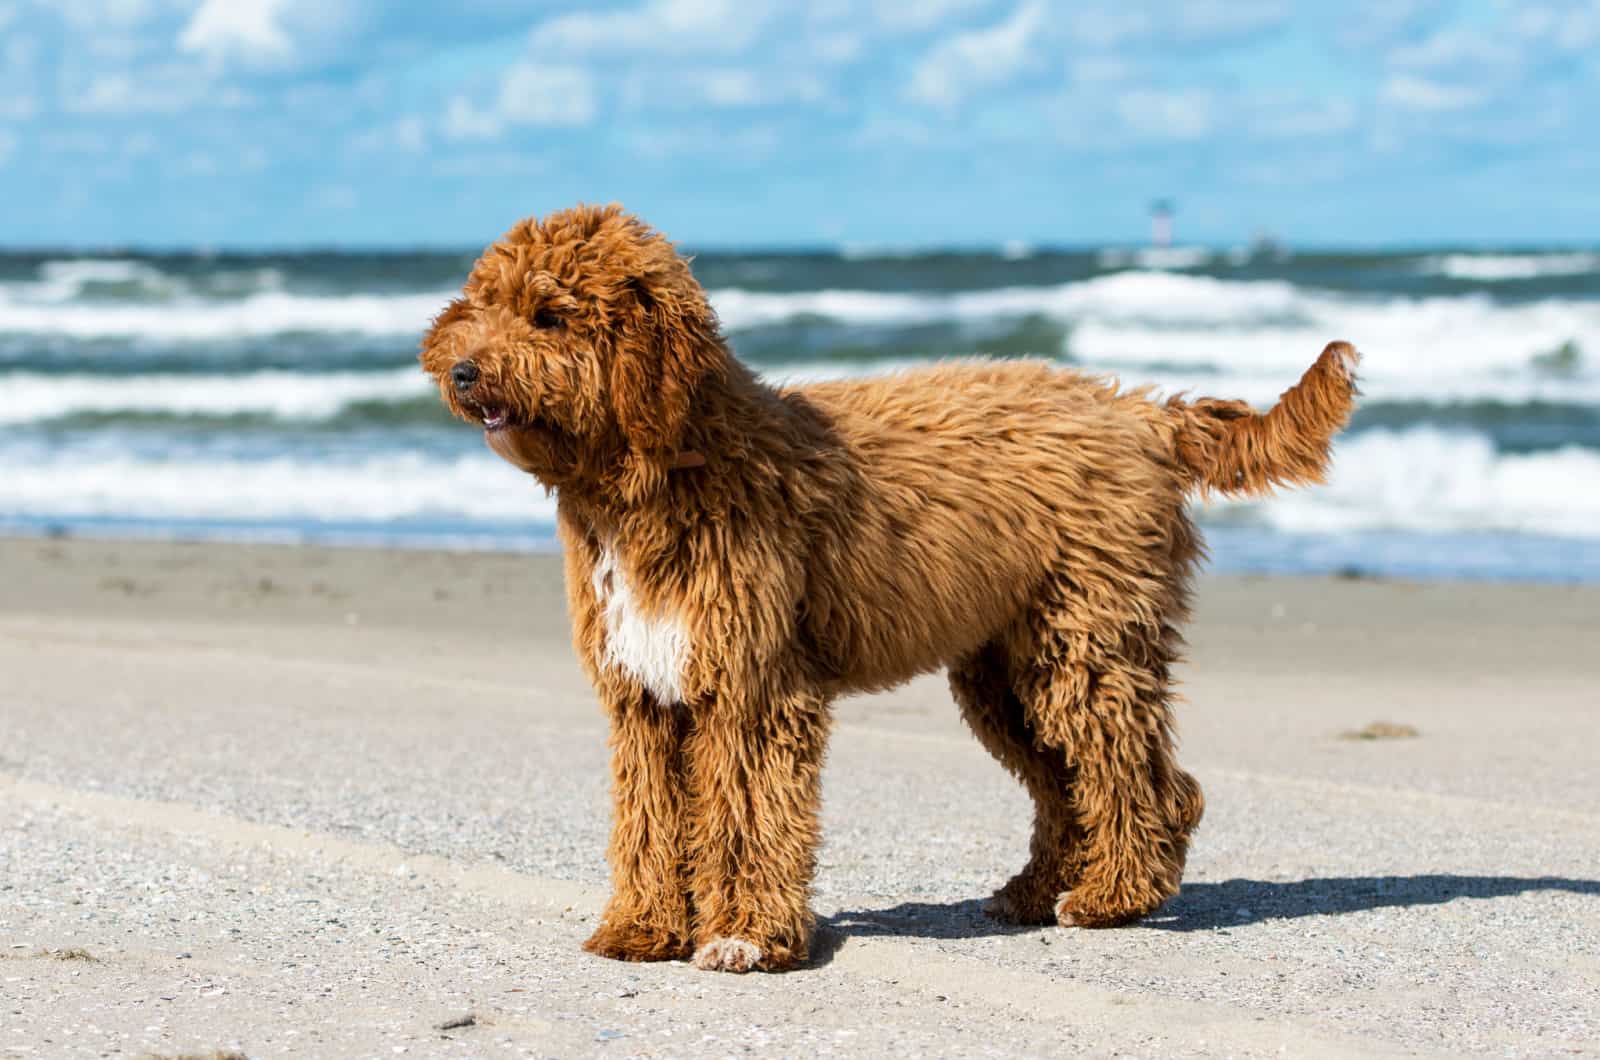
x: 493, y: 419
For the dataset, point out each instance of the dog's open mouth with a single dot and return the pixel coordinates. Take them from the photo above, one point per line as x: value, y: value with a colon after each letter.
x: 497, y: 417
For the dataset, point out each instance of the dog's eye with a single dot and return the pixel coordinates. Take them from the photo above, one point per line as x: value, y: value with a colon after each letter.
x: 548, y: 319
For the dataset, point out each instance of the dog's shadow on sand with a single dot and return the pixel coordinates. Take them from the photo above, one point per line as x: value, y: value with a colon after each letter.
x: 1234, y: 903
x: 1207, y: 906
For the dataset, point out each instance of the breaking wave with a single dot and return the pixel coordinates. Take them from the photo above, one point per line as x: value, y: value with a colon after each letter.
x: 1494, y: 268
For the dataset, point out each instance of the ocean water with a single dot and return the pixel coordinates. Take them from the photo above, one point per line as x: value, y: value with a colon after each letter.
x: 277, y: 397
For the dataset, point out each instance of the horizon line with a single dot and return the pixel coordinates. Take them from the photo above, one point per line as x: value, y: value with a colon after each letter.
x: 1019, y: 249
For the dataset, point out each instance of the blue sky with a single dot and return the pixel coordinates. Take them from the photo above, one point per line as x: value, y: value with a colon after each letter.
x: 737, y: 122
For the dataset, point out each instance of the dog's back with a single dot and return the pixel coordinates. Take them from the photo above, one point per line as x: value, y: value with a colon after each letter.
x: 967, y: 481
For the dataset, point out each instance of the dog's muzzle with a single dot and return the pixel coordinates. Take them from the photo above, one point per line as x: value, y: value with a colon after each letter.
x: 463, y: 375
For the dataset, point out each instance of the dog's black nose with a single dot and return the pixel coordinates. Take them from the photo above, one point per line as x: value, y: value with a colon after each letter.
x: 464, y: 374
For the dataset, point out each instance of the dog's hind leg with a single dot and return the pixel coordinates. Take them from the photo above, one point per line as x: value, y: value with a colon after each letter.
x: 982, y: 687
x: 755, y: 778
x: 647, y: 918
x: 1095, y: 683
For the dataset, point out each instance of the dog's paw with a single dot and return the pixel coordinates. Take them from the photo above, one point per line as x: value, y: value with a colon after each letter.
x: 727, y: 955
x: 1007, y: 908
x: 1077, y: 908
x: 636, y: 945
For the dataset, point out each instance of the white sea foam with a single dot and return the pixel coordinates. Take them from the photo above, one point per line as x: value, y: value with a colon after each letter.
x: 381, y: 488
x: 1122, y: 318
x: 1161, y: 308
x: 31, y: 397
x: 1202, y: 334
x: 309, y: 397
x: 1455, y: 347
x: 1416, y: 348
x: 1427, y: 480
x: 882, y: 251
x: 1150, y: 297
x: 63, y: 281
x: 1417, y: 480
x: 262, y: 314
x: 1491, y: 268
x: 69, y: 277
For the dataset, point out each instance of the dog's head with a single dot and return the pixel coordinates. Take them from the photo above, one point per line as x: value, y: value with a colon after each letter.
x: 579, y: 342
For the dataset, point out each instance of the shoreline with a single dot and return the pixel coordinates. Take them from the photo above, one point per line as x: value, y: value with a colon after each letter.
x: 1231, y: 550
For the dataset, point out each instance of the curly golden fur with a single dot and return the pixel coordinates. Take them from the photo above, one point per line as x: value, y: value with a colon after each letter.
x: 739, y: 555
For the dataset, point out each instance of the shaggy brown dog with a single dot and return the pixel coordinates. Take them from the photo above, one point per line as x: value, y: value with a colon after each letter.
x: 738, y: 555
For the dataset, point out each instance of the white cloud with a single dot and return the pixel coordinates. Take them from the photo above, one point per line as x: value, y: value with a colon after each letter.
x: 1457, y: 68
x: 1455, y: 49
x: 721, y: 87
x: 1567, y: 27
x: 731, y: 88
x: 548, y: 95
x: 1160, y: 115
x: 747, y: 88
x: 963, y: 63
x: 1105, y: 118
x: 837, y: 47
x: 463, y: 121
x: 662, y: 27
x: 530, y: 94
x: 1409, y: 92
x: 250, y: 30
x: 276, y: 34
x: 1109, y: 24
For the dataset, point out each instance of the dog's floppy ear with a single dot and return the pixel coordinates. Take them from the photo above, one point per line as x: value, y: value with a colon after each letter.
x: 669, y: 344
x: 450, y: 314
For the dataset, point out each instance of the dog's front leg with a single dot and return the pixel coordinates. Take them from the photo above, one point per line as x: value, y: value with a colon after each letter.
x: 755, y: 772
x: 647, y: 918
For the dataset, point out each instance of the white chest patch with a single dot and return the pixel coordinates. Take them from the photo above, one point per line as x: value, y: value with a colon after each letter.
x: 650, y: 648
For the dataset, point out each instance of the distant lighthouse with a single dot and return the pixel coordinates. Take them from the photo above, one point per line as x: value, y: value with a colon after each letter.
x: 1161, y: 223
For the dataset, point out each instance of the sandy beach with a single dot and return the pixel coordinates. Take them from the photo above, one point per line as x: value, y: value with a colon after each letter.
x: 306, y: 802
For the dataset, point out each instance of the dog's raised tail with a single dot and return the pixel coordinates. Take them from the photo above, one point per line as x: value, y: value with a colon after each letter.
x: 1230, y: 448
